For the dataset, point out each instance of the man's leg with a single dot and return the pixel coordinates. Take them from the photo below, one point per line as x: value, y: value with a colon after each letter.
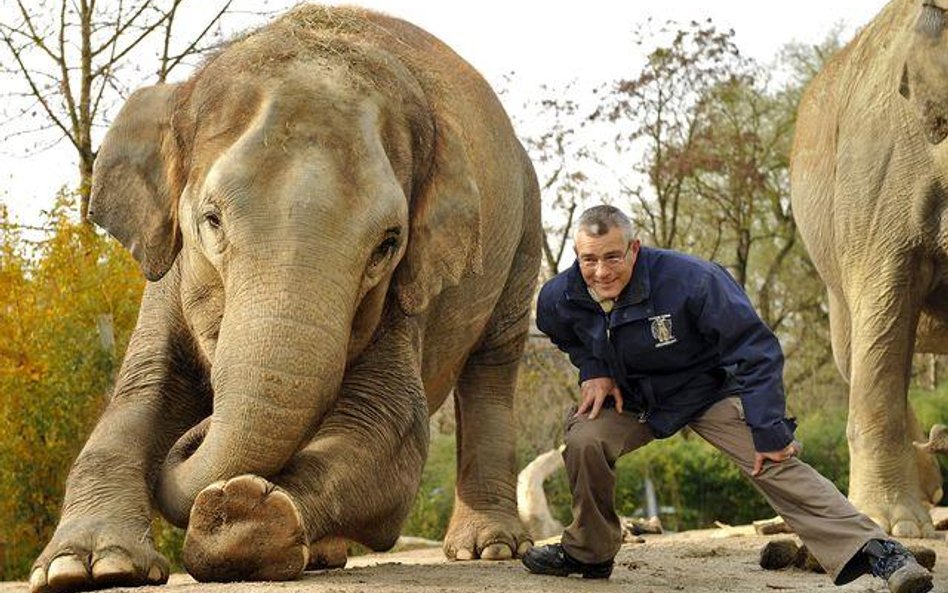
x: 593, y: 539
x: 592, y: 448
x: 831, y: 527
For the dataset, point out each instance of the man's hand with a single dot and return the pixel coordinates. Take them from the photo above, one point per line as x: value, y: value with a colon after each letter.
x: 594, y: 392
x: 791, y: 450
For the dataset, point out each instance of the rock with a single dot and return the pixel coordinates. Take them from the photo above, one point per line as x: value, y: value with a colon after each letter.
x: 924, y: 556
x: 807, y: 561
x: 784, y: 553
x: 779, y: 553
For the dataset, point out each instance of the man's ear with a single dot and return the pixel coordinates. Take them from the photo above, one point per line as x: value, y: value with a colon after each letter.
x: 635, y: 245
x: 132, y: 195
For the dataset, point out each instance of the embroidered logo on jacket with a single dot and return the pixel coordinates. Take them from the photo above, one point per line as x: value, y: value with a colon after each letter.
x: 662, y: 330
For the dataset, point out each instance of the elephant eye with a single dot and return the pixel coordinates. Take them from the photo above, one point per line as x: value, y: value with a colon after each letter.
x: 211, y: 230
x: 213, y: 219
x: 387, y: 247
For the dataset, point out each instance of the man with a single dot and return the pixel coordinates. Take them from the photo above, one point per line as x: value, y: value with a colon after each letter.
x: 663, y: 340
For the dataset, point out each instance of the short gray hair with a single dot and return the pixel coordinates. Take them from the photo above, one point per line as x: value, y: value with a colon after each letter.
x: 599, y: 220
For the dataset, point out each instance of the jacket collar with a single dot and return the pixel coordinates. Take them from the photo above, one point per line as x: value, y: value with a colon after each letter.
x: 636, y: 291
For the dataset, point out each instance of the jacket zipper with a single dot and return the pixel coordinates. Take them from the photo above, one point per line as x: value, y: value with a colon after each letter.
x: 642, y: 416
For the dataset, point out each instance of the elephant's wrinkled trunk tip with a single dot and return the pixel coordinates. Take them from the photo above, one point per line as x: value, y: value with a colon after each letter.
x: 265, y: 404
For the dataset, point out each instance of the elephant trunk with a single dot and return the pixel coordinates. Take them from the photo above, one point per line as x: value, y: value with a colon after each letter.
x: 277, y: 370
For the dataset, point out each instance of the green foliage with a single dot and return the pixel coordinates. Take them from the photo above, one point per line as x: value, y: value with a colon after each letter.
x: 823, y: 434
x: 59, y: 305
x: 435, y: 500
x: 169, y: 540
x: 690, y: 476
x: 930, y: 406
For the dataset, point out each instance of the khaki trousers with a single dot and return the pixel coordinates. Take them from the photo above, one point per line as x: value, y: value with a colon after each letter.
x: 829, y: 525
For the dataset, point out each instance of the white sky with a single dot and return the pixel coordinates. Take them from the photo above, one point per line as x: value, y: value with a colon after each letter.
x: 551, y: 42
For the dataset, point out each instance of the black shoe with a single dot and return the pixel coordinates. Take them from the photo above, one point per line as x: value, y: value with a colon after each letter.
x: 554, y: 560
x: 890, y: 561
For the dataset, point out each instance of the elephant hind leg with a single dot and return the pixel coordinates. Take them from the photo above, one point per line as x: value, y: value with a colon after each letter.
x: 485, y: 523
x: 889, y: 480
x: 244, y: 529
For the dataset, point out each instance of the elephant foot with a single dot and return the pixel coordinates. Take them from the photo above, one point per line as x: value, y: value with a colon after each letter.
x: 488, y: 535
x: 244, y: 529
x: 329, y: 552
x: 903, y: 519
x: 89, y: 554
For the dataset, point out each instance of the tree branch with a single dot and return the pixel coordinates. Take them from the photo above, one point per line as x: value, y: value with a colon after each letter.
x: 34, y: 89
x: 192, y: 47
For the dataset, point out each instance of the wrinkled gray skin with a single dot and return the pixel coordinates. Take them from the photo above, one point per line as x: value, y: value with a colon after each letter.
x: 339, y: 226
x: 868, y: 181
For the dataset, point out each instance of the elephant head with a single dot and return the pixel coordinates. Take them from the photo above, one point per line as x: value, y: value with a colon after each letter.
x: 310, y: 198
x: 924, y: 79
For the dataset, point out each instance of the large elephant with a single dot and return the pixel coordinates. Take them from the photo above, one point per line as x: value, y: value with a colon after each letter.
x: 338, y: 226
x: 868, y: 178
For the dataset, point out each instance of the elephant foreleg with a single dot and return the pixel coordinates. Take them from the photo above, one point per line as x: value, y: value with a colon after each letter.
x: 104, y: 535
x: 357, y: 477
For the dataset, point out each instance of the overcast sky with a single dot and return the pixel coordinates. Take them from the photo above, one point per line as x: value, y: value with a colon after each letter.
x: 549, y: 42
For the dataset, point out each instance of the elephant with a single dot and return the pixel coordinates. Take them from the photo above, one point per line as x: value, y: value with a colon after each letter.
x: 868, y: 192
x: 339, y: 229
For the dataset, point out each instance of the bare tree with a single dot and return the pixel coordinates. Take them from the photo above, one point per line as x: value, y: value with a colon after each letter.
x: 562, y: 157
x: 75, y: 59
x: 654, y: 115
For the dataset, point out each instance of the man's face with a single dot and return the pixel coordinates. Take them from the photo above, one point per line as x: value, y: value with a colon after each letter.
x: 606, y: 262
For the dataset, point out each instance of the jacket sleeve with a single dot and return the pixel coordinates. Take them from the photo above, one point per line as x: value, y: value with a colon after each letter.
x: 562, y: 335
x: 726, y: 317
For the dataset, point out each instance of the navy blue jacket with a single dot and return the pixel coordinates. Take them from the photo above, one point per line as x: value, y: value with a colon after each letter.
x: 681, y: 336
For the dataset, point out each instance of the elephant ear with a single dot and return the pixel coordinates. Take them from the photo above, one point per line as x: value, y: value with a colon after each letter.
x: 132, y: 195
x: 444, y: 241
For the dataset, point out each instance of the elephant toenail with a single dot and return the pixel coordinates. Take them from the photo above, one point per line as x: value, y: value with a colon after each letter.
x: 155, y: 575
x: 66, y: 571
x: 497, y: 551
x: 37, y: 580
x: 464, y: 555
x: 110, y: 566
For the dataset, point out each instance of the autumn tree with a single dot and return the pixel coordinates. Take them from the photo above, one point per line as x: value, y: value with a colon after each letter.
x: 654, y: 116
x: 704, y: 135
x: 741, y: 193
x: 74, y: 60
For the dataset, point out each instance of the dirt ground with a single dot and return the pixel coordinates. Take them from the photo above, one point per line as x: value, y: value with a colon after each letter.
x: 695, y: 561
